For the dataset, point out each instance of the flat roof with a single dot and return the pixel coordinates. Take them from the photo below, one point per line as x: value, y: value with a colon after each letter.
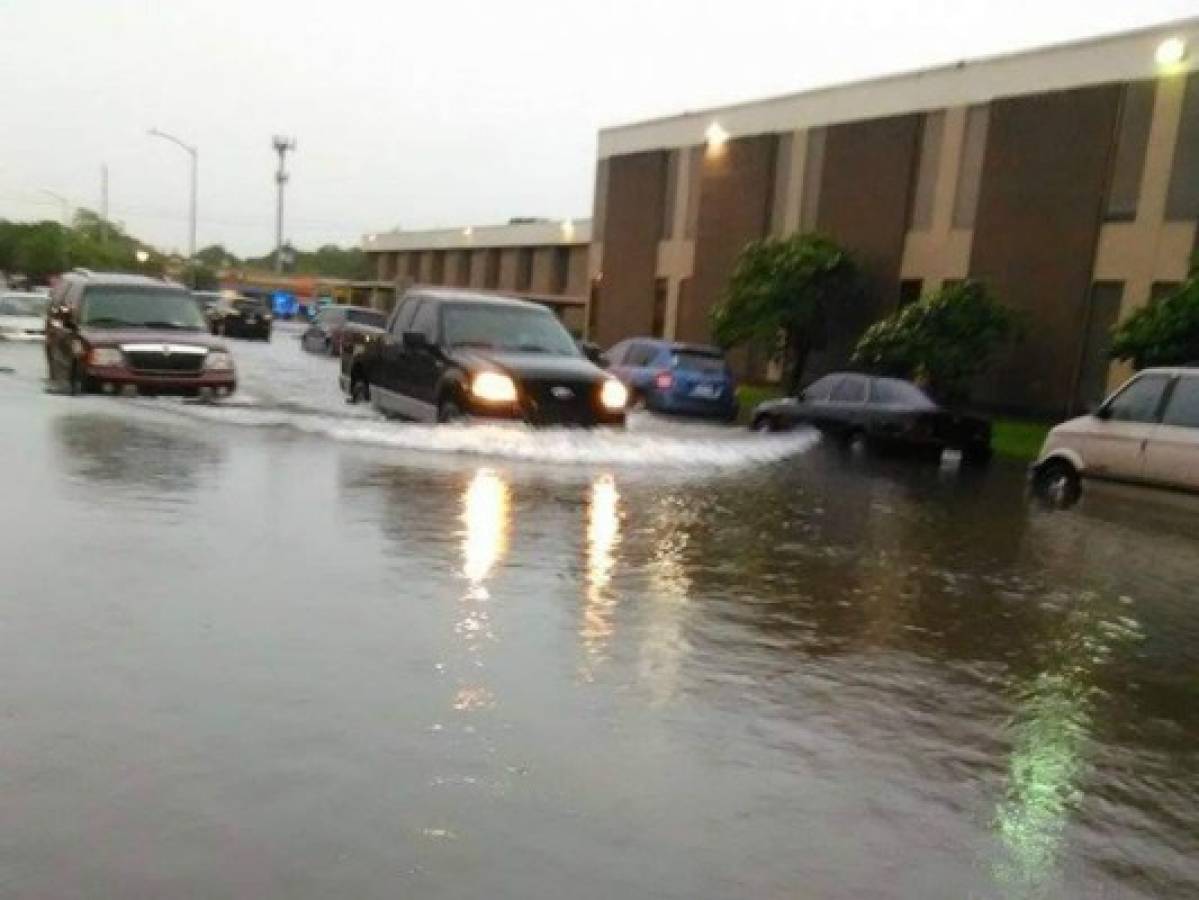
x: 1125, y: 56
x: 536, y: 233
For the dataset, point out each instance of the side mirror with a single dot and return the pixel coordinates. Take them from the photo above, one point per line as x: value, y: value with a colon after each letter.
x: 416, y: 340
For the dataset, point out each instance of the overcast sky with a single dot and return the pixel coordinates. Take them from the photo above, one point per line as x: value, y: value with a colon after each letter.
x: 425, y: 114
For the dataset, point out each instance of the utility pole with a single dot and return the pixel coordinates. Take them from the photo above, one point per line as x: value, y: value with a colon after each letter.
x: 104, y: 203
x: 282, y: 145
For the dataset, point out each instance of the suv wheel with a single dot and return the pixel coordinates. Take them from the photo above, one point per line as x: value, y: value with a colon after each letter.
x: 1058, y: 483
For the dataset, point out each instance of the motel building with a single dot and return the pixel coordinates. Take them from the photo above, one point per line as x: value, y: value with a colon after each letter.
x: 1066, y: 178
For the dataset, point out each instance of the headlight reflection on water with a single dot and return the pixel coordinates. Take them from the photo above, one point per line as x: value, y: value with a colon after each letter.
x: 603, y: 536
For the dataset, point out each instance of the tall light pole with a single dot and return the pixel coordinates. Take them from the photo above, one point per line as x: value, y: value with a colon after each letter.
x: 194, y: 153
x: 282, y: 145
x: 63, y: 202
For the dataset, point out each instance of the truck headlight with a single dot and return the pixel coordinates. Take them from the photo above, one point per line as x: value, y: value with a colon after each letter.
x: 105, y: 356
x: 493, y: 387
x: 218, y: 361
x: 614, y: 395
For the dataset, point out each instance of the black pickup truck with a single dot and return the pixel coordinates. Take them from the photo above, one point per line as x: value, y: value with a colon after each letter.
x: 450, y: 355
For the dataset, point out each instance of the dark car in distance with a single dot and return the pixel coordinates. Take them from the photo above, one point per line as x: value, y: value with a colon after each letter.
x: 449, y: 355
x: 885, y: 413
x: 119, y: 333
x: 676, y: 378
x: 244, y: 317
x: 324, y: 335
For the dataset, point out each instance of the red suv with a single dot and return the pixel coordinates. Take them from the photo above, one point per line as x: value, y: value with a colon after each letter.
x: 120, y: 333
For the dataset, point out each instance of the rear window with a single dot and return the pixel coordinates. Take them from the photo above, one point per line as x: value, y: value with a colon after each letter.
x: 698, y: 361
x: 365, y: 317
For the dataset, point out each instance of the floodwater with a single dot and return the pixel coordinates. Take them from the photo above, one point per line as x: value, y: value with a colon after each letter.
x: 283, y: 648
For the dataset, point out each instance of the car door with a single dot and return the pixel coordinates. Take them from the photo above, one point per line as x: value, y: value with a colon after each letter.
x: 1172, y: 454
x: 802, y: 409
x: 846, y: 407
x: 390, y: 359
x: 1114, y: 443
x: 421, y: 367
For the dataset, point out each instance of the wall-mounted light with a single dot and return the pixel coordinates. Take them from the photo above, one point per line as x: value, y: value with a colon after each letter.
x: 1170, y: 52
x: 371, y: 238
x: 716, y: 136
x: 568, y: 229
x: 468, y: 231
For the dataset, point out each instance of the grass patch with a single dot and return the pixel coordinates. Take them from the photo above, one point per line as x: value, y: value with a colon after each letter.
x: 1019, y: 439
x: 750, y: 395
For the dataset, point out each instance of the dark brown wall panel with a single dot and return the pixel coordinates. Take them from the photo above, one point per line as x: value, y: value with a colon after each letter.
x: 633, y: 211
x: 865, y: 191
x: 736, y: 189
x: 1042, y: 194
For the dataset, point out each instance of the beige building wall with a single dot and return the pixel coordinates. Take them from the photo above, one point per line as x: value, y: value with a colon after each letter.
x: 676, y: 250
x: 542, y: 280
x: 578, y: 277
x: 1149, y: 248
x: 478, y: 268
x: 942, y: 252
x: 426, y: 267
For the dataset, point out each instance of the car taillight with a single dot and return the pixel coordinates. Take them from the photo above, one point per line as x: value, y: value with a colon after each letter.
x: 663, y: 381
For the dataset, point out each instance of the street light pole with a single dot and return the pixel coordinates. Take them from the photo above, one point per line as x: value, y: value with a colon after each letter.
x: 194, y: 153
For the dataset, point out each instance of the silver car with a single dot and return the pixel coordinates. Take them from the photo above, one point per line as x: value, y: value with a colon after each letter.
x: 23, y: 316
x: 1147, y: 432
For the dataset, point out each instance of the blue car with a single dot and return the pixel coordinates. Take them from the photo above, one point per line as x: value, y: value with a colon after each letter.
x: 676, y: 378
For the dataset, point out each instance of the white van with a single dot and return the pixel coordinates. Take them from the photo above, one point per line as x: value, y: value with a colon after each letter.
x: 1147, y: 432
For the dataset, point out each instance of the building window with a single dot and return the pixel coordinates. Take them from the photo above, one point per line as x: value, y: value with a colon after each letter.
x: 463, y: 267
x: 1160, y: 290
x: 929, y: 160
x: 438, y: 267
x: 524, y: 268
x: 414, y: 266
x: 1103, y: 311
x: 974, y: 147
x: 561, y: 269
x: 491, y: 269
x: 1132, y: 137
x: 1182, y: 202
x: 909, y: 291
x: 674, y: 159
x: 661, y: 288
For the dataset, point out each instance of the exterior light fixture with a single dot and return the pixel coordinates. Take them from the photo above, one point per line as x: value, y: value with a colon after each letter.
x: 568, y: 229
x: 142, y: 256
x: 468, y: 231
x: 1170, y: 52
x: 716, y: 136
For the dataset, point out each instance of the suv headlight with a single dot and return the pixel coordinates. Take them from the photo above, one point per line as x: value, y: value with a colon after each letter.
x: 493, y: 387
x: 218, y: 361
x: 106, y: 356
x: 614, y: 395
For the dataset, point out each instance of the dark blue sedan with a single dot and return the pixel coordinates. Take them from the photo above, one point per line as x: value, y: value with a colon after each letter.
x: 676, y: 378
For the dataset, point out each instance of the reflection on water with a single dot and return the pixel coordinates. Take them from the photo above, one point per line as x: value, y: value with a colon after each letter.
x: 603, y: 537
x: 485, y: 521
x: 663, y: 645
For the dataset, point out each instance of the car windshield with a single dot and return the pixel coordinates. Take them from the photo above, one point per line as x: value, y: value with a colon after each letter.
x: 365, y: 317
x: 704, y: 361
x: 136, y: 307
x: 893, y: 392
x: 497, y: 327
x: 23, y: 306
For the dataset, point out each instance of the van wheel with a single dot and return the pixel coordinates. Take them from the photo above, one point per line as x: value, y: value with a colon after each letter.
x: 449, y: 411
x: 1058, y: 483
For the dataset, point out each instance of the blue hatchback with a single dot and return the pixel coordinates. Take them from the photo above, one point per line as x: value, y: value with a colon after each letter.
x: 676, y: 378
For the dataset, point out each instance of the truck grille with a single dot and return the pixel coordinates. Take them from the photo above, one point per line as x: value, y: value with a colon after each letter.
x: 560, y: 402
x: 166, y: 360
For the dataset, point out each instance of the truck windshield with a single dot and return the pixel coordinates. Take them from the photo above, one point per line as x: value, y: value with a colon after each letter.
x: 498, y: 327
x: 133, y: 307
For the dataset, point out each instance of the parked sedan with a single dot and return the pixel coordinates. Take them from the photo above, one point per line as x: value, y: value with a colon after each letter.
x: 1147, y: 432
x: 23, y: 317
x: 242, y: 317
x: 324, y: 335
x: 886, y: 413
x: 676, y: 378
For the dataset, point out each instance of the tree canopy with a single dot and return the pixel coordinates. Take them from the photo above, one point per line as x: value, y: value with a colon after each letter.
x: 784, y: 287
x: 942, y: 341
x: 1165, y: 332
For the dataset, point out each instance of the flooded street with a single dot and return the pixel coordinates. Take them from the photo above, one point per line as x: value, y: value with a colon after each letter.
x: 285, y: 648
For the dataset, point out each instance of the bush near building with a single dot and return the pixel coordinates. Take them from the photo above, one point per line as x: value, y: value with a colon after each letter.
x: 942, y: 341
x: 1164, y: 333
x: 784, y: 288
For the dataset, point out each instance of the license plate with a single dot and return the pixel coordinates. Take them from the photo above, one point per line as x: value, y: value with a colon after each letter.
x: 706, y: 391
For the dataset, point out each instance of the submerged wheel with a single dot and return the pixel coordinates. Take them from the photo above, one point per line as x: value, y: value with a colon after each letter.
x: 449, y: 411
x: 360, y: 391
x: 1057, y: 482
x: 764, y: 424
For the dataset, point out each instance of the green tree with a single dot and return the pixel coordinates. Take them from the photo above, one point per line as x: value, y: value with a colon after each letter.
x: 215, y: 256
x: 785, y: 288
x: 41, y: 251
x: 1165, y: 332
x: 942, y: 341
